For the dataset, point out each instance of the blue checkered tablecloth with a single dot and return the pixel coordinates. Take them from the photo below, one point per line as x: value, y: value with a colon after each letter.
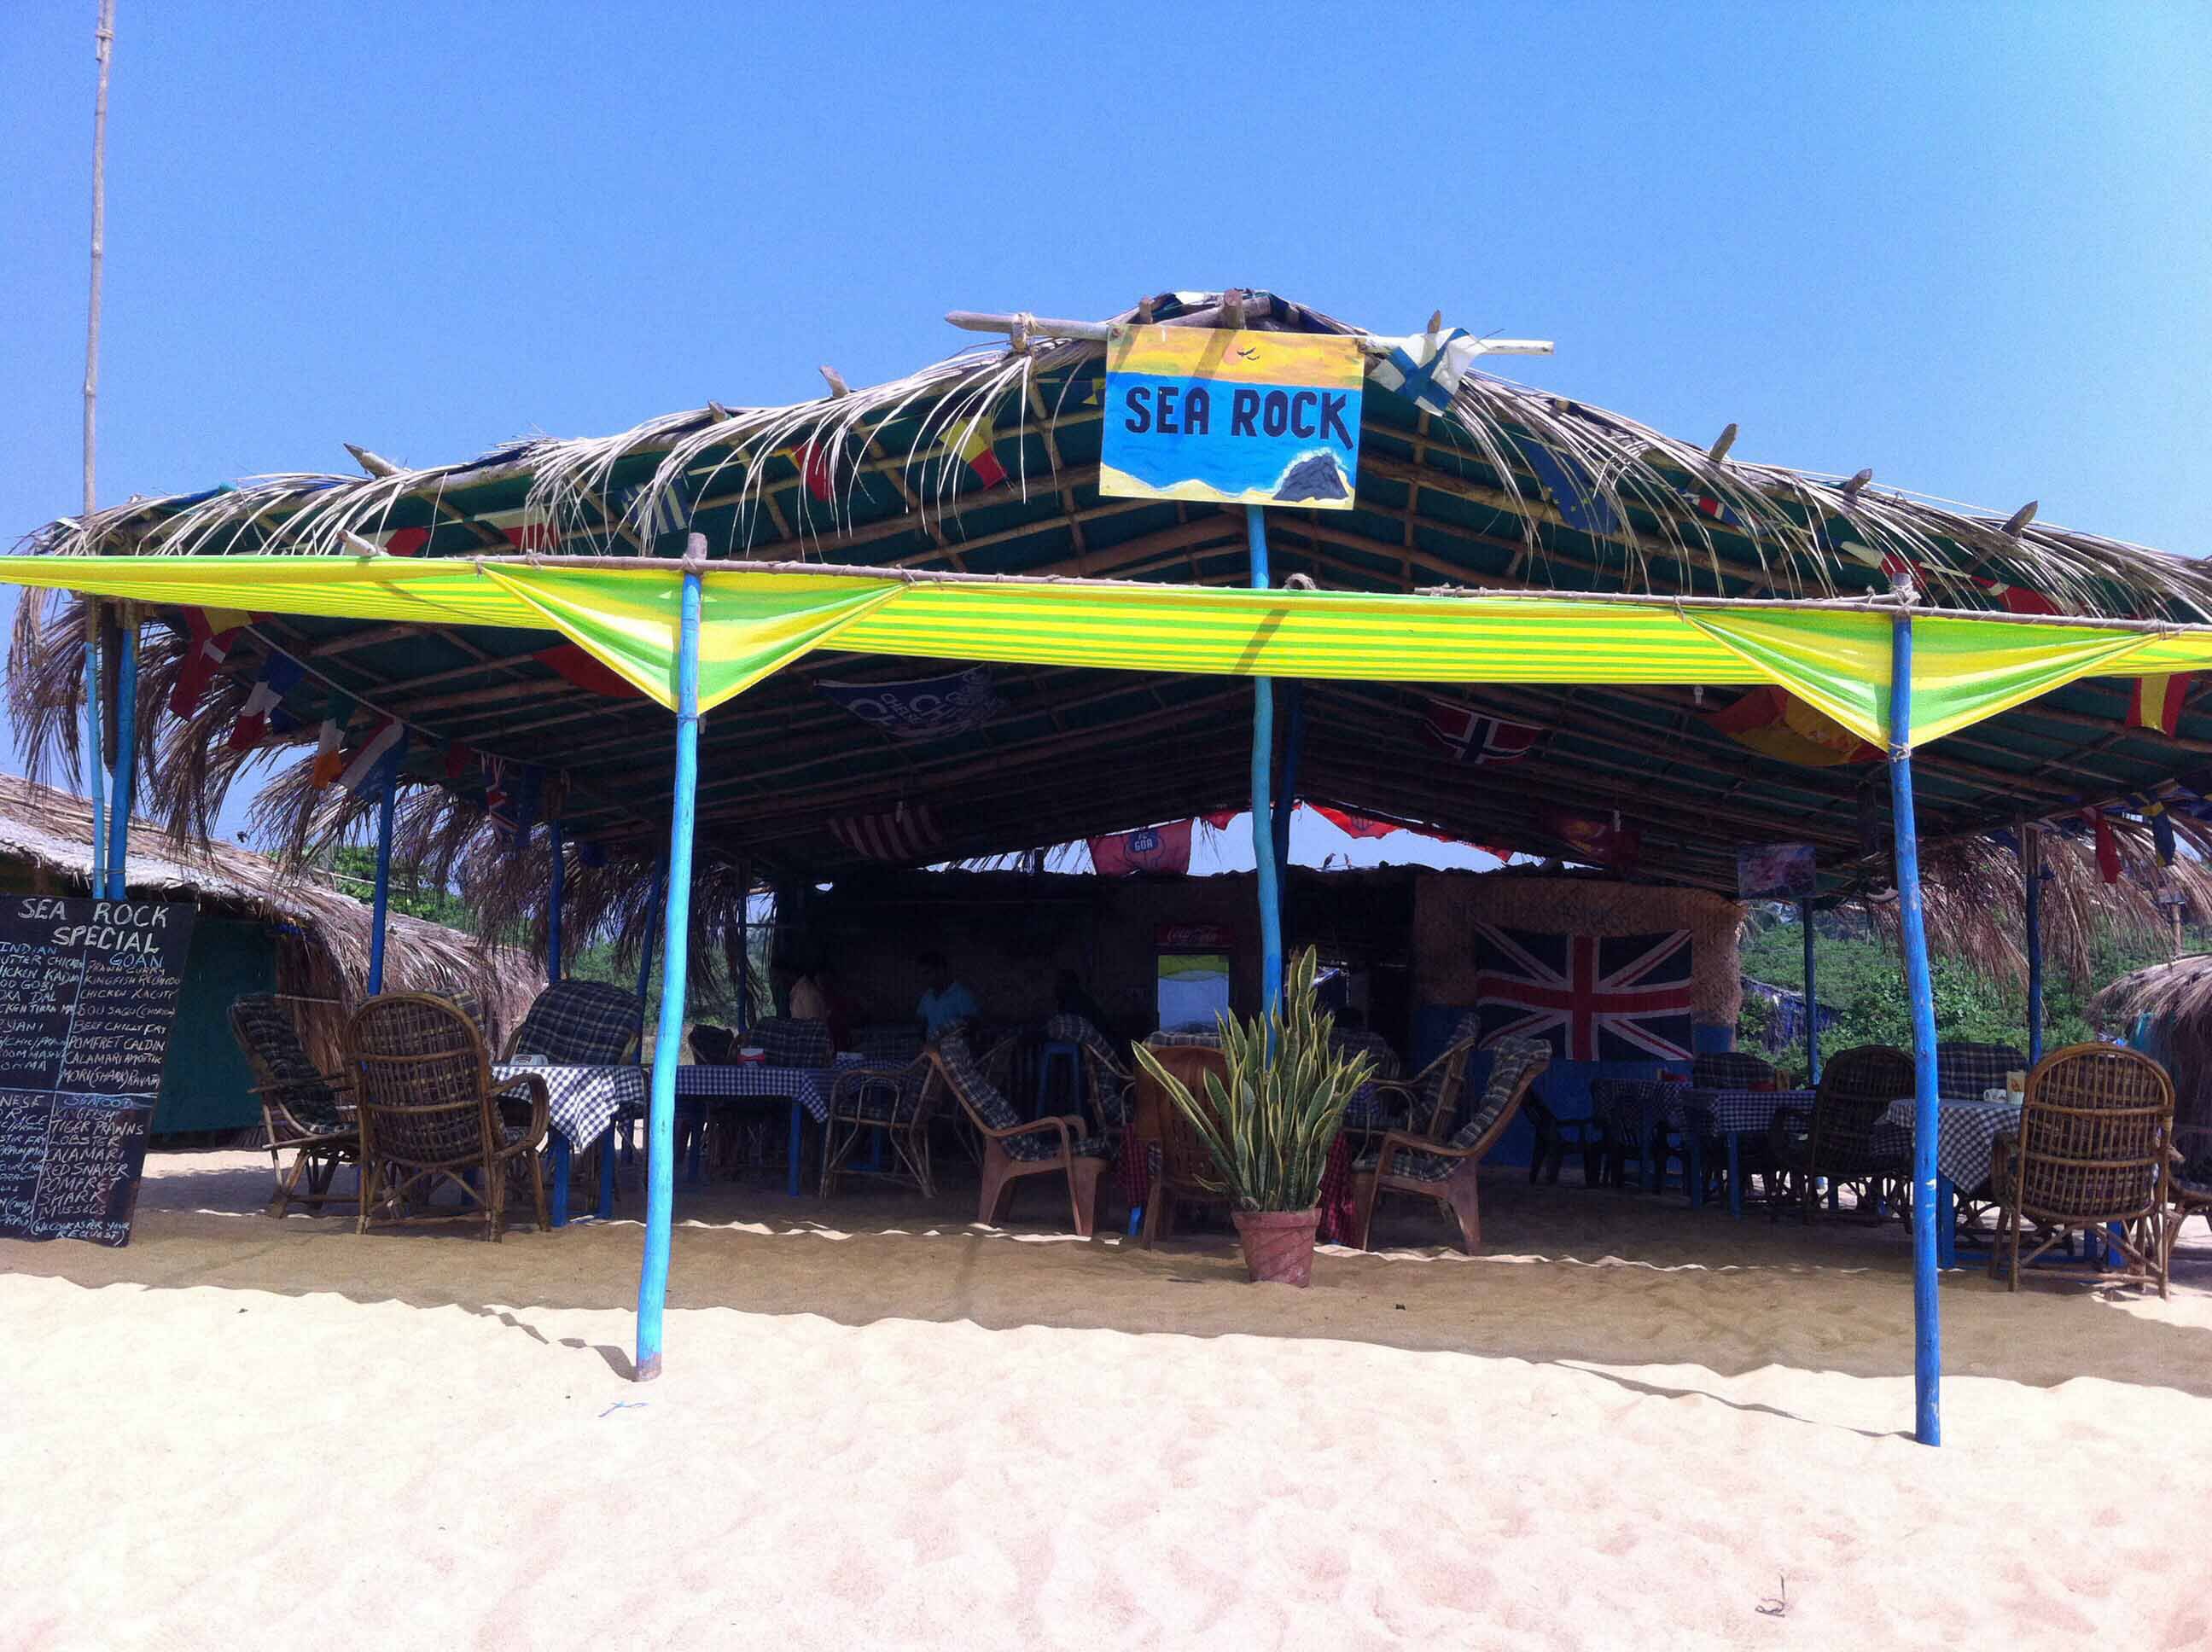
x: 1966, y: 1138
x: 1724, y: 1112
x: 808, y: 1086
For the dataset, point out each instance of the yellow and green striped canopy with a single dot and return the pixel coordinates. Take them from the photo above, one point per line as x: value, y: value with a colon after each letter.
x: 756, y: 621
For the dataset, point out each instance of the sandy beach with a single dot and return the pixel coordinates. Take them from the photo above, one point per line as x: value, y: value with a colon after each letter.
x: 1627, y: 1424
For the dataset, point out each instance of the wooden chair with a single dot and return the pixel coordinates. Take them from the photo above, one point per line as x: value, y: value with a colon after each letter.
x: 304, y: 1110
x: 2096, y: 1131
x: 1012, y: 1150
x: 1448, y: 1172
x: 1836, y: 1139
x: 900, y: 1101
x: 1185, y: 1174
x: 430, y: 1115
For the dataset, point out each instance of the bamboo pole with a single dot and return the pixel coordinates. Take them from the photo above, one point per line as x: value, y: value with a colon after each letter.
x: 103, y: 50
x: 124, y: 796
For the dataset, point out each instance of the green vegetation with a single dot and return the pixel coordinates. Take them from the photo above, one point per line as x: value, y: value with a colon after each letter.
x: 412, y: 894
x: 1862, y: 980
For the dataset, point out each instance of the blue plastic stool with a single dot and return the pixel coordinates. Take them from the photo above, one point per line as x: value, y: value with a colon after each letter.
x: 1048, y: 1058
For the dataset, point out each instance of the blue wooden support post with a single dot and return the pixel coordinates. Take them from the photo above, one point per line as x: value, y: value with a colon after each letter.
x: 744, y: 947
x: 652, y: 929
x: 95, y: 755
x: 1927, y: 1323
x: 124, y: 797
x: 1286, y: 793
x: 1811, y: 999
x: 380, y: 902
x: 1263, y: 763
x: 553, y: 904
x: 668, y: 1038
x: 2031, y: 861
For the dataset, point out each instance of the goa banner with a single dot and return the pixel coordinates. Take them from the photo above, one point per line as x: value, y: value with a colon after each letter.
x: 1250, y: 418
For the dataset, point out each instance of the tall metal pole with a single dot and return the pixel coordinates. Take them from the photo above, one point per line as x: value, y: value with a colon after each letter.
x: 1812, y: 998
x: 95, y: 755
x: 124, y: 796
x: 1286, y: 794
x: 2031, y: 862
x: 553, y: 905
x: 379, y: 906
x: 668, y: 1038
x: 1263, y: 760
x: 103, y: 49
x: 1927, y: 1327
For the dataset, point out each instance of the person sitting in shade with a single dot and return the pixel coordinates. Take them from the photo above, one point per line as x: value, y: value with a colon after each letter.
x: 809, y: 998
x: 1068, y: 997
x: 944, y: 1001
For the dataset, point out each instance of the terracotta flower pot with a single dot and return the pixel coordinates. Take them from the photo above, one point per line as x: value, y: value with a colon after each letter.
x: 1279, y: 1245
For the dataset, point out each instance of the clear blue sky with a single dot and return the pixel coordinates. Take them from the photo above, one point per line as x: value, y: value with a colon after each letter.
x: 1968, y: 246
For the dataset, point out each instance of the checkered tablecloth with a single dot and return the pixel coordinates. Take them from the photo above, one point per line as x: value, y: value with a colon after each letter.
x: 582, y: 1101
x: 1967, y: 1136
x: 1725, y: 1112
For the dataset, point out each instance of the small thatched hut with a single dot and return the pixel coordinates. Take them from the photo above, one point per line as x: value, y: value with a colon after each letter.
x: 2167, y: 1010
x: 259, y: 929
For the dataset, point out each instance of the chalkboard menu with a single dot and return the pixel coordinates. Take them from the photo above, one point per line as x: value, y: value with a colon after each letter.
x: 88, y: 993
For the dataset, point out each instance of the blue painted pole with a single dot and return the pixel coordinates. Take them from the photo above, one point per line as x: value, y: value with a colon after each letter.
x: 1812, y: 998
x: 1927, y: 1323
x: 2031, y: 856
x: 745, y: 949
x: 667, y: 1044
x: 124, y: 796
x: 95, y: 760
x: 379, y: 906
x: 1263, y: 763
x: 553, y: 904
x: 1286, y: 794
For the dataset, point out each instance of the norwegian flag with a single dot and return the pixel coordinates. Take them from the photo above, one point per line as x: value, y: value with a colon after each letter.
x: 265, y: 705
x: 1592, y: 998
x: 905, y: 835
x: 213, y: 630
x: 1712, y: 509
x: 1353, y: 825
x: 1473, y: 737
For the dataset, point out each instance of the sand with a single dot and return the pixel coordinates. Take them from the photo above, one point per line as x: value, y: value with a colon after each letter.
x: 1628, y: 1425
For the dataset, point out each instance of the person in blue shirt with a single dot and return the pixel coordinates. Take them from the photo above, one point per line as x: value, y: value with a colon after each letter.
x: 943, y: 1000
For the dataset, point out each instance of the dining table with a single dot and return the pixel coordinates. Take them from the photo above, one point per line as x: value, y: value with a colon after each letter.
x: 1967, y: 1129
x: 588, y: 1104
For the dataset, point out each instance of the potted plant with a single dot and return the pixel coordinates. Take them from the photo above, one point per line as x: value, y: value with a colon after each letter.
x: 1270, y: 1125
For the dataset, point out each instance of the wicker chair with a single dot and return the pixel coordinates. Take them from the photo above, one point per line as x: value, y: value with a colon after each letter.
x: 1185, y: 1174
x: 1448, y: 1172
x: 1963, y: 1070
x: 2190, y: 1182
x: 1836, y: 1139
x: 1426, y: 1104
x: 900, y: 1102
x: 1109, y: 1085
x: 1012, y: 1150
x: 579, y: 1023
x: 303, y: 1110
x: 429, y: 1115
x: 2096, y: 1131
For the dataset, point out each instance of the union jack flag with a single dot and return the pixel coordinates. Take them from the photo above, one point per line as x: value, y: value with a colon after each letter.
x: 1473, y: 737
x: 1592, y: 998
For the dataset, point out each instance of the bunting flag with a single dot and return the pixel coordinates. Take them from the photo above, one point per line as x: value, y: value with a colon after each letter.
x: 1581, y: 505
x: 512, y: 792
x: 971, y: 440
x: 1839, y: 537
x: 813, y: 460
x: 1712, y: 509
x: 1594, y: 840
x: 587, y: 671
x: 212, y: 632
x: 906, y: 834
x: 279, y: 675
x: 2016, y: 598
x: 668, y: 516
x: 1473, y: 737
x: 377, y: 758
x: 330, y: 741
x: 1591, y: 997
x: 1219, y: 818
x: 1775, y: 723
x: 923, y: 708
x: 1426, y: 368
x: 2157, y: 701
x: 458, y: 756
x: 1353, y: 825
x: 2108, y: 845
x: 497, y: 804
x: 1149, y: 849
x: 401, y: 542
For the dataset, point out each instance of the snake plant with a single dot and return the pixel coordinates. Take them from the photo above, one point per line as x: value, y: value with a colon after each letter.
x: 1269, y: 1127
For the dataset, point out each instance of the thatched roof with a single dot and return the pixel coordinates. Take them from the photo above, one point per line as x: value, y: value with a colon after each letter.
x: 52, y: 830
x: 870, y: 476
